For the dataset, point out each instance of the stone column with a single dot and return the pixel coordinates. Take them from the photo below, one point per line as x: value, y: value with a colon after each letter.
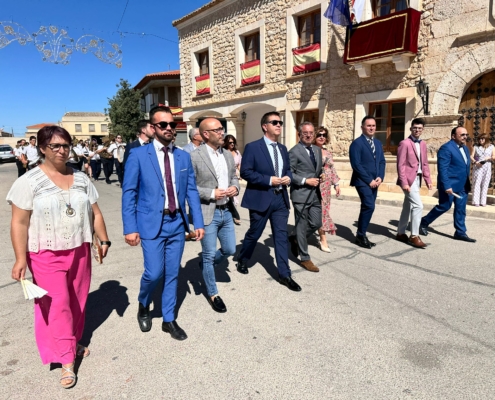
x: 239, y: 127
x: 191, y: 124
x: 284, y: 127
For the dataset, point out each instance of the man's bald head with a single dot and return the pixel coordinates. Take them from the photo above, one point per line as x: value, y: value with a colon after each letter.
x: 211, y: 130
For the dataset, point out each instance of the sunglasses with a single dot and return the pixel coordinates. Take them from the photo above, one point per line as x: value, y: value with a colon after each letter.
x: 57, y: 147
x: 234, y: 143
x: 276, y: 122
x: 165, y: 125
x: 319, y: 135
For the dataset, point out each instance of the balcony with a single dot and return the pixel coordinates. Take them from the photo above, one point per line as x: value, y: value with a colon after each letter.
x: 306, y: 59
x: 393, y: 37
x: 202, y: 84
x: 250, y: 73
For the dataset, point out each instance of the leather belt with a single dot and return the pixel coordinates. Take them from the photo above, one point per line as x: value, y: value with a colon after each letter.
x: 166, y: 211
x: 277, y: 191
x: 222, y: 207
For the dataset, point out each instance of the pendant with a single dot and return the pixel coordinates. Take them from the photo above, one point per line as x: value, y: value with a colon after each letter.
x: 70, y: 212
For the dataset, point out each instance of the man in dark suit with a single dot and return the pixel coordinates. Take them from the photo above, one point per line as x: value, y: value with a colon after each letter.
x: 305, y: 164
x: 158, y: 179
x: 368, y: 171
x: 453, y: 184
x: 144, y: 135
x: 266, y: 168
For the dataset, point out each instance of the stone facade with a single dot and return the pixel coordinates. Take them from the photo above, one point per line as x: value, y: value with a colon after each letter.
x: 456, y: 45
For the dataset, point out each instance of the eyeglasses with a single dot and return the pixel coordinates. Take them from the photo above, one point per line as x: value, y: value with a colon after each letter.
x: 307, y: 133
x: 165, y: 125
x: 416, y: 128
x: 231, y: 143
x: 217, y: 130
x: 464, y: 134
x: 276, y: 122
x: 319, y: 135
x: 118, y: 137
x: 56, y: 147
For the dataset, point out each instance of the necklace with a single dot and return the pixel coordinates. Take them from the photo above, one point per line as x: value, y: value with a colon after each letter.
x: 69, y: 211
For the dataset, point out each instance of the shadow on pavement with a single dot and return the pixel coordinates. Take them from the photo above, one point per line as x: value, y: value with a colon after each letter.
x: 345, y: 232
x: 100, y: 304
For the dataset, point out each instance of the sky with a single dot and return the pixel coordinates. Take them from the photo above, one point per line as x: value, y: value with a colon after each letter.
x: 33, y: 91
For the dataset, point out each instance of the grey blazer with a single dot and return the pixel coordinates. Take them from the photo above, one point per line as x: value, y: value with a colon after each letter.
x: 206, y: 179
x: 302, y: 167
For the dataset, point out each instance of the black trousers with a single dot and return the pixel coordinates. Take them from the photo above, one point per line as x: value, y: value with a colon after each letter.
x: 21, y: 169
x: 119, y: 169
x: 107, y: 164
x: 95, y: 168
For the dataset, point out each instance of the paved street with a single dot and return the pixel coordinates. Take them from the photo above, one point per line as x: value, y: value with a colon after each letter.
x: 388, y: 323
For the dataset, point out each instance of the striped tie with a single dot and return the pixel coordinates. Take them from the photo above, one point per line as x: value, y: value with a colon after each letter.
x: 275, y: 156
x: 370, y: 141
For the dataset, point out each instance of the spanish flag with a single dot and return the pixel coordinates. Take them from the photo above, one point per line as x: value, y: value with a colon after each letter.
x: 203, y: 84
x: 250, y: 72
x: 306, y: 58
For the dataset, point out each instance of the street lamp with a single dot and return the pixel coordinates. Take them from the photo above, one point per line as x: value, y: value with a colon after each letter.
x: 243, y: 115
x: 424, y: 92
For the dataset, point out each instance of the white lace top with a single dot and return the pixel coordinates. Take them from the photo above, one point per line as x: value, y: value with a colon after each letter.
x: 50, y: 228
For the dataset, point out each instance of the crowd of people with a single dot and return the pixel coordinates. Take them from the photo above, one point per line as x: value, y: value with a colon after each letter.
x: 55, y: 214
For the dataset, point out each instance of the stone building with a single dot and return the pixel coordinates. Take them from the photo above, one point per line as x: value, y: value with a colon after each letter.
x: 84, y: 125
x: 239, y: 59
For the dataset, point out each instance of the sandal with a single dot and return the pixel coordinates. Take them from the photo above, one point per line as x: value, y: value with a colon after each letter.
x: 68, y: 373
x: 82, y: 352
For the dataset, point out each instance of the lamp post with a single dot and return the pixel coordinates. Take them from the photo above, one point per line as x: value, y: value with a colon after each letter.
x: 424, y: 92
x: 243, y: 115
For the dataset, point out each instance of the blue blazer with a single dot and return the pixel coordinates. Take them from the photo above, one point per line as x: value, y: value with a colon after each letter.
x: 143, y: 192
x: 365, y: 167
x: 453, y: 172
x: 257, y: 169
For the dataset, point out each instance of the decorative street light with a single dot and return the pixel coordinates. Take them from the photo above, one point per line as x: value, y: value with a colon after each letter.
x: 243, y: 115
x: 424, y: 92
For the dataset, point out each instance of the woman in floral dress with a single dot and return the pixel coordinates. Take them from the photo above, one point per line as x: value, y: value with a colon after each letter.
x: 329, y: 179
x: 482, y: 157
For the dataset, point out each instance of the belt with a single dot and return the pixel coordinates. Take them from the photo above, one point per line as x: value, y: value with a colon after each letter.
x: 277, y: 191
x: 166, y: 211
x: 222, y: 207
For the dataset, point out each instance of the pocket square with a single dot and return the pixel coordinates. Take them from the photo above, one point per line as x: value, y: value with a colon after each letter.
x: 185, y: 169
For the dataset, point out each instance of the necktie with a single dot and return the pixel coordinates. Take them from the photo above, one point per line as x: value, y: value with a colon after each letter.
x: 275, y: 156
x: 370, y: 141
x: 168, y: 181
x: 312, y: 156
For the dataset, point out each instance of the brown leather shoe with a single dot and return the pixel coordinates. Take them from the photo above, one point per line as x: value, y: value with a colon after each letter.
x: 416, y: 242
x: 402, y: 237
x: 309, y: 266
x: 191, y: 236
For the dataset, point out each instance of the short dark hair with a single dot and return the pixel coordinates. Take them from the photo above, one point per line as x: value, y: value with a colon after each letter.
x: 155, y: 110
x: 454, y: 131
x: 264, y: 118
x: 226, y: 141
x: 46, y: 133
x: 366, y: 118
x: 418, y: 121
x: 143, y: 123
x: 33, y: 137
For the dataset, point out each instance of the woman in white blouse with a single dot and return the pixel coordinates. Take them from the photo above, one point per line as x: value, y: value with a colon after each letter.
x: 54, y: 212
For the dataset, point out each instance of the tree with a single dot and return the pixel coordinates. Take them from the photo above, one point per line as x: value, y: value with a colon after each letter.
x: 124, y: 111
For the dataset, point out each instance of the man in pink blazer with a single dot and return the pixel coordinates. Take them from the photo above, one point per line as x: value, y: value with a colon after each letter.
x: 412, y: 166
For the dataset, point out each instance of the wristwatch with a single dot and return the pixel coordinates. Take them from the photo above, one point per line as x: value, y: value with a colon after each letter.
x: 106, y: 242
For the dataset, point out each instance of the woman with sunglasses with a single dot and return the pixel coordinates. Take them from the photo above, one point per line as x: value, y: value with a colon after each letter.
x: 329, y: 179
x: 54, y: 213
x: 230, y: 144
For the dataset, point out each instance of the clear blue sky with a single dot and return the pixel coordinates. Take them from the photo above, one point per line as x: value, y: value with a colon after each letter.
x: 33, y: 91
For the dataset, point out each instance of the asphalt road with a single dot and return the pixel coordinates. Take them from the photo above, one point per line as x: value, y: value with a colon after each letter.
x: 388, y: 323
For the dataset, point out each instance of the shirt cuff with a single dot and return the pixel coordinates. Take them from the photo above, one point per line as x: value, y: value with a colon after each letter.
x: 303, y: 181
x: 212, y: 196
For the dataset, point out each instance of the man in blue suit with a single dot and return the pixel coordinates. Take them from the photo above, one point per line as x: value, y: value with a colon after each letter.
x: 453, y: 184
x: 368, y: 171
x: 158, y: 180
x: 266, y: 168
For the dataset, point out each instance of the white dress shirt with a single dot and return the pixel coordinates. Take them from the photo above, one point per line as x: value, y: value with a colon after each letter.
x: 31, y: 153
x: 161, y: 162
x: 220, y: 164
x: 269, y: 146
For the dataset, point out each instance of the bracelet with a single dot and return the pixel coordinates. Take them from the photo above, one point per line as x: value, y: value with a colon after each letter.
x: 106, y: 242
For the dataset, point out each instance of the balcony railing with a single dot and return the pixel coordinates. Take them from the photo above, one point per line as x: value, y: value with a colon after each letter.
x: 250, y: 73
x: 306, y: 59
x: 383, y: 37
x: 203, y: 84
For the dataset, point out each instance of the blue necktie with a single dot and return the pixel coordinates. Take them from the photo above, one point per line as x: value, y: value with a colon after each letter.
x: 312, y: 156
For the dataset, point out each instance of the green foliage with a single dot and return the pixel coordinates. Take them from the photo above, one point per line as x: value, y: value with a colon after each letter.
x: 124, y: 111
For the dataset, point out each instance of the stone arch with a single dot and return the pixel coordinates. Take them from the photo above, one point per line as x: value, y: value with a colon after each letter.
x: 205, y: 113
x: 457, y: 80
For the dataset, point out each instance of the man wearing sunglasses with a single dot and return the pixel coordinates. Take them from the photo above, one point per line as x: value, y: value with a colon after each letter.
x: 266, y: 168
x: 453, y: 164
x: 157, y: 181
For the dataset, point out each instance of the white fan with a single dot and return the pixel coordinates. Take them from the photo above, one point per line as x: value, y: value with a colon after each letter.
x: 32, y: 291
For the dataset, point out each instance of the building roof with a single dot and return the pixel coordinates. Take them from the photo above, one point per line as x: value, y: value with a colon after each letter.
x: 39, y: 126
x: 83, y: 114
x: 174, y: 74
x: 211, y: 4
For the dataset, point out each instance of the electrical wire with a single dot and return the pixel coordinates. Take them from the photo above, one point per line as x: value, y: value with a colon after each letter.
x: 121, y: 18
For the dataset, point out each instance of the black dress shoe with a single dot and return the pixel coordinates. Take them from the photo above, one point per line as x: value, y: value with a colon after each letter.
x: 464, y: 238
x: 242, y: 267
x: 175, y: 330
x: 294, y: 247
x: 362, y: 241
x: 144, y: 318
x: 290, y: 283
x: 217, y: 304
x: 423, y: 229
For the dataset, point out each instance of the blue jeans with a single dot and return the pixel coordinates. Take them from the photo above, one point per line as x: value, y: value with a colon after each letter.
x: 221, y: 226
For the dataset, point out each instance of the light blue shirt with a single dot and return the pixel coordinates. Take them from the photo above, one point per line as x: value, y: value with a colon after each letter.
x: 269, y: 146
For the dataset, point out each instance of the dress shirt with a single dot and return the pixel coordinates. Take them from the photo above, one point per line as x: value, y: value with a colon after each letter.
x: 161, y: 162
x: 268, y: 143
x: 418, y: 152
x: 309, y: 154
x: 114, y: 148
x: 220, y: 164
x: 31, y: 153
x: 20, y: 150
x: 461, y: 149
x: 141, y: 141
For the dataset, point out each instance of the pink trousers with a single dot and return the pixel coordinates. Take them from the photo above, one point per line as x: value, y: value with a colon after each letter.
x: 59, y: 315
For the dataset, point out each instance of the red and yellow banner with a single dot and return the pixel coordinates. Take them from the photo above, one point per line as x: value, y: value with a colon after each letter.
x: 176, y: 110
x: 203, y: 84
x: 306, y: 59
x: 250, y: 72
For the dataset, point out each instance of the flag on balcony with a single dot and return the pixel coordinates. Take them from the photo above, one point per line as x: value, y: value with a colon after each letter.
x: 306, y: 58
x: 203, y: 84
x: 338, y: 12
x: 250, y: 72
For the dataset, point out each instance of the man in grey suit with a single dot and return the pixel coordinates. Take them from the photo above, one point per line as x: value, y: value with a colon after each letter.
x: 305, y: 164
x: 217, y: 184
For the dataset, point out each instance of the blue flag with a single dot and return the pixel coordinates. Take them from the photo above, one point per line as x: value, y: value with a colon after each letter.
x: 338, y: 12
